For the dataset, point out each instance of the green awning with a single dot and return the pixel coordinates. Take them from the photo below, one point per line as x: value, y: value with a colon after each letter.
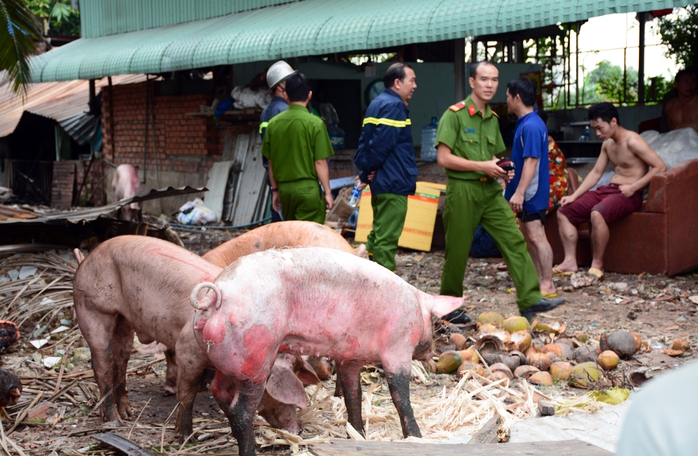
x: 313, y: 27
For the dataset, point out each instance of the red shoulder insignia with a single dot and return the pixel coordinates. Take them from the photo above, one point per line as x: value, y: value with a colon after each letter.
x: 457, y: 107
x: 472, y: 110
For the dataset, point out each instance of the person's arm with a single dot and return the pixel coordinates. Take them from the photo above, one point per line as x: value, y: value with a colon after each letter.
x: 529, y: 170
x: 591, y: 179
x: 387, y: 126
x: 642, y: 150
x: 275, y: 201
x: 323, y: 175
x: 447, y: 136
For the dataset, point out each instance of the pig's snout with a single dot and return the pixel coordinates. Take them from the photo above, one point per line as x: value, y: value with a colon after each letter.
x: 206, y: 302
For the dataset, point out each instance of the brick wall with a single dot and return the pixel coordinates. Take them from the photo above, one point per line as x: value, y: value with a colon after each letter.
x: 141, y: 127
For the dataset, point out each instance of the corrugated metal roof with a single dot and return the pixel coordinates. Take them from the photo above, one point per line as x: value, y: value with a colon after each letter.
x: 88, y: 214
x: 312, y: 27
x: 64, y: 102
x: 108, y: 17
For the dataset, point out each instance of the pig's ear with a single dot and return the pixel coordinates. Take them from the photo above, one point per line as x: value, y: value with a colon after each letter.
x: 441, y: 305
x: 306, y: 373
x: 284, y: 386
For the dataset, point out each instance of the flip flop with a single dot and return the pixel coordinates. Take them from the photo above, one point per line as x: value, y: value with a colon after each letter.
x: 598, y: 273
x: 560, y: 272
x: 549, y: 295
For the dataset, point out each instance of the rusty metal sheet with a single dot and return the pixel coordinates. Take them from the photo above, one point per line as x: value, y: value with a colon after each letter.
x: 81, y: 215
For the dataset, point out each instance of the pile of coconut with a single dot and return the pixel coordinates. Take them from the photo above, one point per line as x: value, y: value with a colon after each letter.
x: 541, y: 353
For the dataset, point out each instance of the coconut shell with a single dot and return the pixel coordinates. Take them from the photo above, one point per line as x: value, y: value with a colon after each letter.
x: 522, y: 358
x: 458, y: 340
x: 512, y: 362
x: 449, y: 362
x: 585, y: 354
x: 501, y: 367
x: 472, y: 367
x: 493, y: 318
x: 621, y: 342
x: 565, y: 341
x: 638, y: 341
x: 608, y: 360
x: 516, y: 323
x: 582, y: 337
x: 567, y: 351
x: 525, y: 371
x: 554, y: 349
x: 585, y: 375
x: 520, y: 340
x: 554, y: 327
x: 560, y: 370
x: 541, y: 378
x: 489, y: 344
x: 540, y: 360
x: 487, y: 328
x: 470, y: 355
x: 681, y: 344
x: 499, y: 375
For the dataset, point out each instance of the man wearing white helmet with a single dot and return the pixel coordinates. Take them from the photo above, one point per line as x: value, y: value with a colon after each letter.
x: 276, y: 81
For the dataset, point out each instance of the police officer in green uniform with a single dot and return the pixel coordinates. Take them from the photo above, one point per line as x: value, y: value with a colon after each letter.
x: 297, y: 145
x: 467, y: 140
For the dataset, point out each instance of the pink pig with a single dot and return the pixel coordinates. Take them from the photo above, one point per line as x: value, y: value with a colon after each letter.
x: 140, y: 284
x: 318, y: 301
x: 126, y: 184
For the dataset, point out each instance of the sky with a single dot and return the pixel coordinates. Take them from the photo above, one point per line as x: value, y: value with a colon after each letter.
x: 611, y: 34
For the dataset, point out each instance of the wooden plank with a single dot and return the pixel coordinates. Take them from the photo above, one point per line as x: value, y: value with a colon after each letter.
x: 63, y: 184
x: 249, y: 188
x: 216, y: 183
x: 356, y: 448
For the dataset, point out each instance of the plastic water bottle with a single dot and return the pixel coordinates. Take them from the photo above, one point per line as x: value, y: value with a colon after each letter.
x: 429, y: 140
x: 586, y: 133
x: 355, y: 195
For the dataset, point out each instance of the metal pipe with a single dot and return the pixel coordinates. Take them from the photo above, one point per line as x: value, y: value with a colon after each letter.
x: 641, y: 17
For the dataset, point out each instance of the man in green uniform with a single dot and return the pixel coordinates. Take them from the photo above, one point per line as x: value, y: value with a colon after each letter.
x: 467, y: 140
x: 297, y: 145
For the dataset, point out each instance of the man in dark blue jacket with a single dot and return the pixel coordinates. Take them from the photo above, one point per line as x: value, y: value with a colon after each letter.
x: 386, y: 155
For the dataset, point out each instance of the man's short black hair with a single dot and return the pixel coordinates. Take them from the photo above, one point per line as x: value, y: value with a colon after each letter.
x: 297, y: 87
x: 525, y: 88
x: 683, y: 72
x: 476, y: 65
x: 604, y: 111
x: 395, y: 71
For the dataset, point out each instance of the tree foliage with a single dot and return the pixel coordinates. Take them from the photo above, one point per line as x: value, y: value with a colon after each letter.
x: 680, y: 34
x: 19, y: 32
x: 608, y: 82
x: 57, y: 16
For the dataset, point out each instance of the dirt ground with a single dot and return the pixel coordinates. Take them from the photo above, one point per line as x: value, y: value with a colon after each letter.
x: 658, y: 308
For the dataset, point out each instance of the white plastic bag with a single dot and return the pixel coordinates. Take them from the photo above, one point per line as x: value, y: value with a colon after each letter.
x: 195, y: 213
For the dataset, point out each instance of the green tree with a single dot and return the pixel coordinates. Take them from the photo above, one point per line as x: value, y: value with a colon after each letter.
x: 19, y: 32
x: 57, y: 17
x: 680, y: 34
x: 609, y: 83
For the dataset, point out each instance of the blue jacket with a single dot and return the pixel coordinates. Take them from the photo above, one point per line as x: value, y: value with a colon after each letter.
x: 277, y: 105
x: 385, y: 146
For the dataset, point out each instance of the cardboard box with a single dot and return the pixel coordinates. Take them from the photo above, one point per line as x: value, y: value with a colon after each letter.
x: 419, y: 221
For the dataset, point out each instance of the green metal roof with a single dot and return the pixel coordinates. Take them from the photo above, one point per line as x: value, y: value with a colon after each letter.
x: 312, y: 27
x: 109, y: 17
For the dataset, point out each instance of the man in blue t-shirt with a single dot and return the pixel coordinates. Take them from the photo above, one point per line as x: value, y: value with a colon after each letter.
x: 529, y: 191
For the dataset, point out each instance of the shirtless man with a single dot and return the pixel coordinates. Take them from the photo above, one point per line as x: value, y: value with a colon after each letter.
x: 682, y: 111
x: 635, y: 165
